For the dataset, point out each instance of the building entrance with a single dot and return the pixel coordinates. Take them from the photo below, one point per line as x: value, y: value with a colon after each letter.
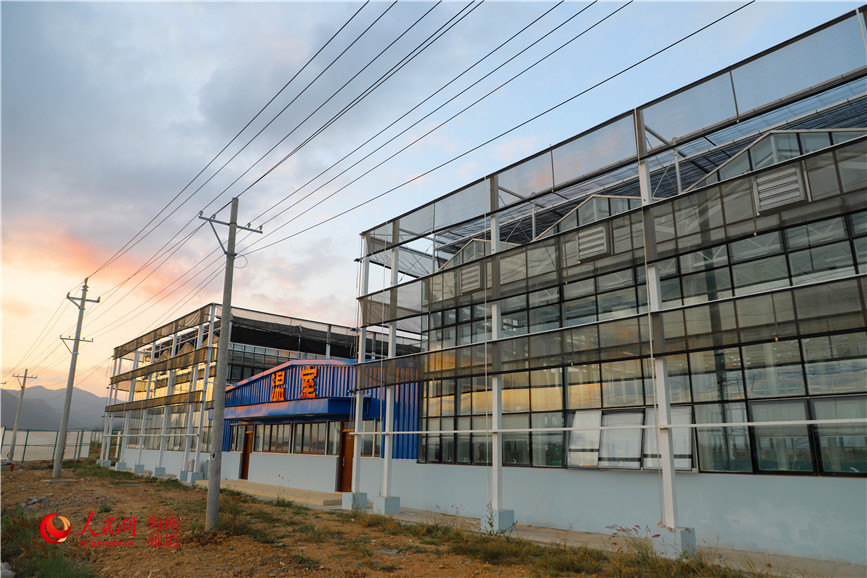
x: 245, y: 454
x: 344, y: 461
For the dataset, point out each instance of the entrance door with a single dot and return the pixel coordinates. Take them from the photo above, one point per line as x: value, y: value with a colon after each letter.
x: 344, y: 461
x: 245, y: 454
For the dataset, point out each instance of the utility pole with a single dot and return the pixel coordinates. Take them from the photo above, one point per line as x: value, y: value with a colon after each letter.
x: 18, y: 411
x: 215, y: 466
x: 79, y: 302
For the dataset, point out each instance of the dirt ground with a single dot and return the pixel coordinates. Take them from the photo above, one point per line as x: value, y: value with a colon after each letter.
x: 306, y: 542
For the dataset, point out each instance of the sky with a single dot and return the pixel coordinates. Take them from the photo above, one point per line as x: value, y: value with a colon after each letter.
x: 113, y: 112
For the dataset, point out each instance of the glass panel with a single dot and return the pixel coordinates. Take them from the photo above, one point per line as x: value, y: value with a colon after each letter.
x: 546, y: 389
x: 547, y: 446
x: 706, y: 286
x: 579, y: 311
x: 516, y: 446
x: 785, y: 447
x: 813, y: 141
x: 678, y: 379
x: 716, y: 375
x: 836, y: 363
x: 544, y: 318
x: 333, y: 437
x: 850, y: 161
x: 432, y: 441
x: 447, y: 441
x: 761, y: 275
x: 723, y: 449
x: 822, y: 176
x: 704, y: 259
x: 815, y: 233
x: 752, y: 247
x: 584, y: 444
x: 482, y: 442
x: 616, y: 304
x: 621, y: 448
x: 773, y: 369
x: 681, y: 439
x: 463, y: 441
x: 821, y: 263
x: 843, y: 446
x: 582, y: 387
x: 622, y: 383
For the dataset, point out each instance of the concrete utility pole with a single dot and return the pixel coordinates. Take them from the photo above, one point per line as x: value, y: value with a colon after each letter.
x: 18, y: 411
x: 64, y: 419
x: 214, y: 468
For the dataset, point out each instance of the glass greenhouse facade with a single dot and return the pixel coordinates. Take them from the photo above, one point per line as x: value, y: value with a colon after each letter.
x: 680, y: 289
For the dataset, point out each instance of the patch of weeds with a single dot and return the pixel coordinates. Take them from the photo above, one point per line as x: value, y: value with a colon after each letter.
x: 30, y: 556
x: 306, y: 562
x: 284, y: 503
x: 360, y: 545
x: 266, y: 516
x: 170, y: 484
x: 104, y: 508
x: 233, y: 520
x: 240, y: 496
x: 196, y: 506
x: 384, y: 523
x: 314, y: 532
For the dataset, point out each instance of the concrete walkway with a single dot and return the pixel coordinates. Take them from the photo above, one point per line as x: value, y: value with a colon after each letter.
x: 774, y: 564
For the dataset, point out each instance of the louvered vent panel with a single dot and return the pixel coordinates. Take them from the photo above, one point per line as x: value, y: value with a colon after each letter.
x: 779, y: 187
x: 592, y: 242
x: 470, y: 279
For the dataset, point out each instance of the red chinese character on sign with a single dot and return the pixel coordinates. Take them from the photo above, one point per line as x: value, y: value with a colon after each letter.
x: 163, y: 532
x: 308, y: 382
x: 125, y: 525
x: 173, y: 525
x: 87, y: 526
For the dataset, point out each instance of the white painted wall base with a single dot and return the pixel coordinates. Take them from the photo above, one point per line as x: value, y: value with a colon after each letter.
x: 817, y: 517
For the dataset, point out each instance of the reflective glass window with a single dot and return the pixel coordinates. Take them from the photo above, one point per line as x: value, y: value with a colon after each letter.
x: 723, y: 449
x: 584, y: 443
x: 681, y: 439
x: 547, y: 446
x: 463, y: 448
x: 843, y: 446
x: 781, y: 447
x: 516, y: 446
x: 546, y: 389
x: 820, y: 263
x: 621, y: 448
x: 773, y: 369
x: 760, y: 275
x: 836, y: 363
x: 716, y: 374
x: 622, y: 383
x: 582, y: 386
x: 579, y: 311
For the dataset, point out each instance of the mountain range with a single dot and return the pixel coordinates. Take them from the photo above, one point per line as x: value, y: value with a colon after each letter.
x: 42, y: 409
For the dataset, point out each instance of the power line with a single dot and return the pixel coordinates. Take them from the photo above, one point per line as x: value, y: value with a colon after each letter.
x: 410, y: 111
x: 417, y: 122
x: 126, y: 247
x: 504, y: 133
x: 454, y: 20
x: 132, y: 242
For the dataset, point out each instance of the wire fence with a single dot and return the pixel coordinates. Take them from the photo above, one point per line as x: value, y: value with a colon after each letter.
x: 36, y: 445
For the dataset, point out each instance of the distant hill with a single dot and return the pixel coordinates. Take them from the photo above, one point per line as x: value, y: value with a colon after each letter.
x: 42, y: 409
